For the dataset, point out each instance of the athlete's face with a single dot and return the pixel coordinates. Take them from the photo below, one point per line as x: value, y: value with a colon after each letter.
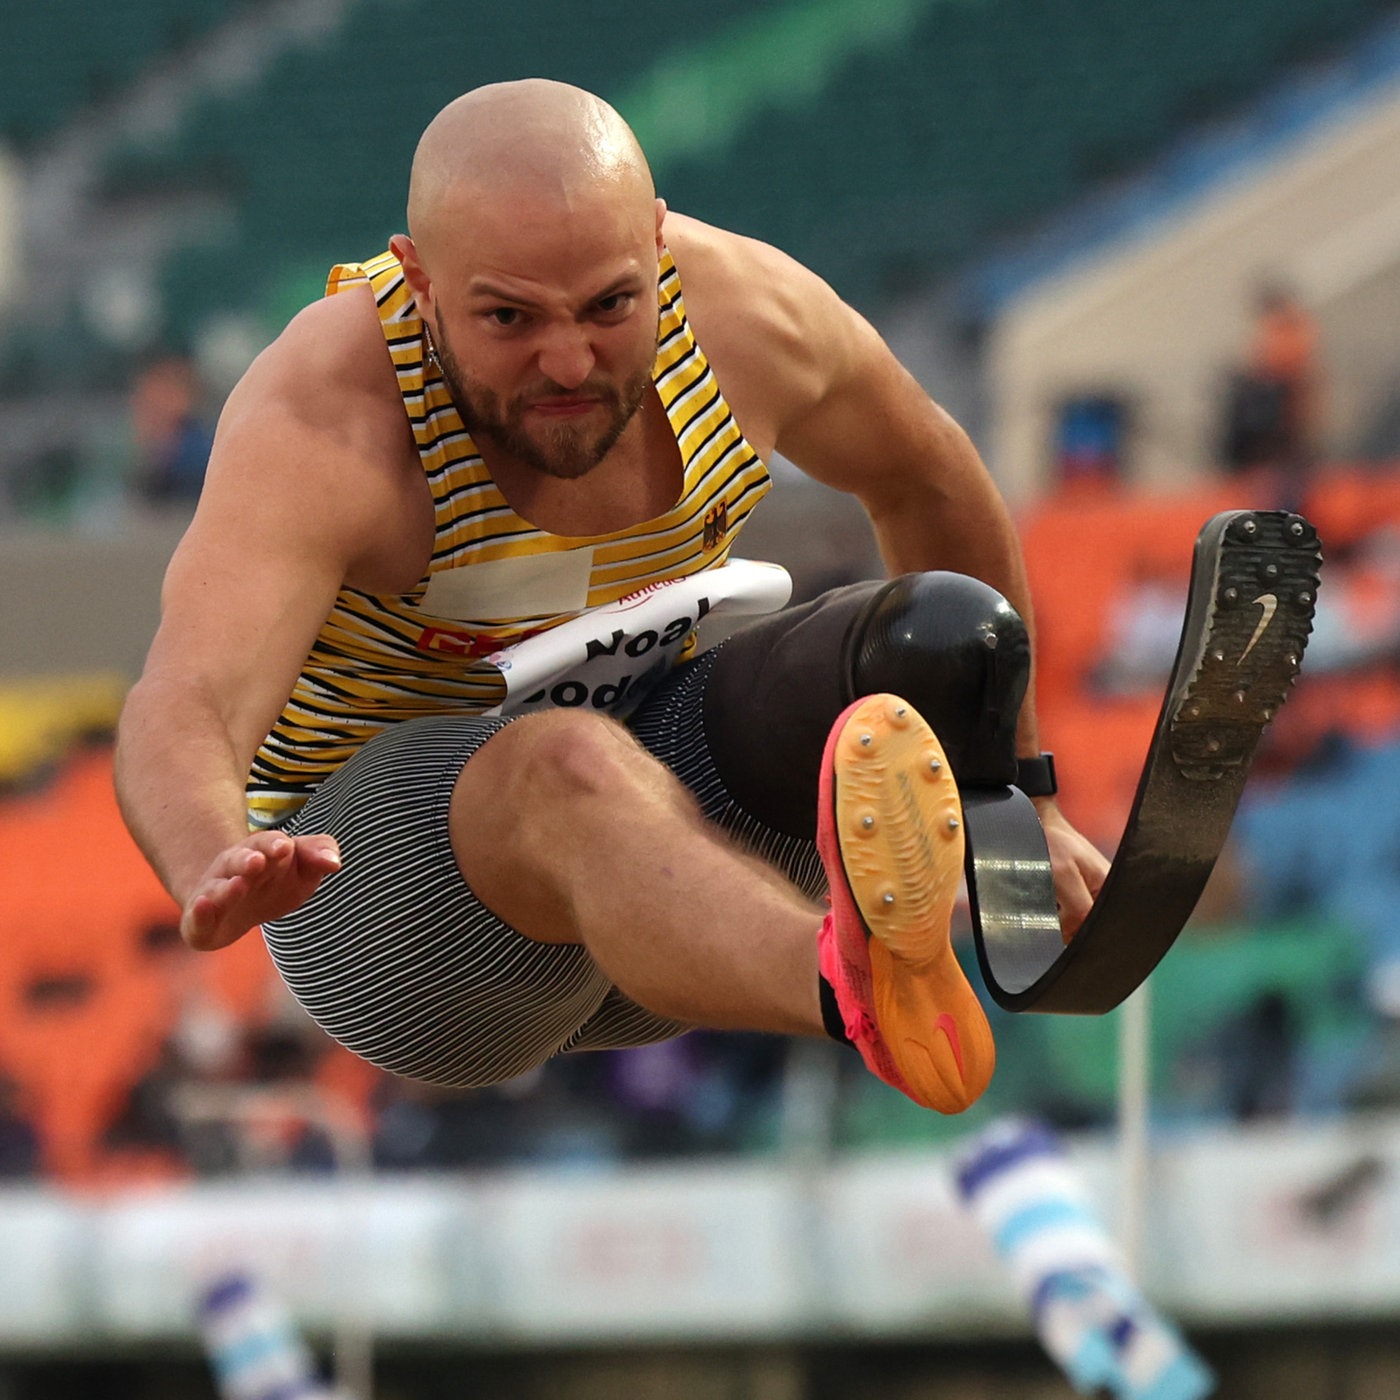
x: 545, y: 330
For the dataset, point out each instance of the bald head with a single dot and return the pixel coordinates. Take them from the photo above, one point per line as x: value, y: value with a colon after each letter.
x: 534, y: 140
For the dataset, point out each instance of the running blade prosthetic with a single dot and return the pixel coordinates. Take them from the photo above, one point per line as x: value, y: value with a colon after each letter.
x: 890, y: 833
x: 1249, y: 611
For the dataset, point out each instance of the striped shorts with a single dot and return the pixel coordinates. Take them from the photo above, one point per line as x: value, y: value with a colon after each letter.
x: 397, y: 959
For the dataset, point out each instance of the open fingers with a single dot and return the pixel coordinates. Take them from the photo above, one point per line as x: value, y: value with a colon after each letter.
x: 264, y: 876
x: 206, y: 910
x: 1079, y: 869
x: 319, y: 853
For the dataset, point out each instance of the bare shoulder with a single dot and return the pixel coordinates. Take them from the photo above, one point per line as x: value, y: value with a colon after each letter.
x: 329, y: 366
x: 775, y: 332
x: 307, y: 489
x: 318, y: 418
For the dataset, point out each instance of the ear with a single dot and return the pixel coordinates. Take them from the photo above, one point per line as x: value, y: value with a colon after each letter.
x: 414, y: 273
x: 660, y: 225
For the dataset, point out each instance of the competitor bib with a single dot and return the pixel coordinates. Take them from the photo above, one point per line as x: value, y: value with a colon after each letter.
x: 610, y: 657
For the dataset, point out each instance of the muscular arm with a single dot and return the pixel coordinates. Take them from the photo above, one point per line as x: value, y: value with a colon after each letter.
x: 825, y: 391
x: 875, y: 433
x: 300, y: 482
x: 833, y: 399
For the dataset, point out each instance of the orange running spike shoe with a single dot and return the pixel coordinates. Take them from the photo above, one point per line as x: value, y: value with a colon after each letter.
x: 889, y: 830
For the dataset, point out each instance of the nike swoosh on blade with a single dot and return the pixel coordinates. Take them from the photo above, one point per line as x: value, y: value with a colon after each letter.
x: 1269, y: 602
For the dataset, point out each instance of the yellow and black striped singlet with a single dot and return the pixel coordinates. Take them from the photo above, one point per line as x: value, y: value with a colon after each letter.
x: 382, y: 658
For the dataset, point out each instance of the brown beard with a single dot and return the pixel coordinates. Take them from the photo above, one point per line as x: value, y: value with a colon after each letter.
x: 561, y: 450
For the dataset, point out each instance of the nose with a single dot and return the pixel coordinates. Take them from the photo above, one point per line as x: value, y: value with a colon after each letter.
x: 567, y: 355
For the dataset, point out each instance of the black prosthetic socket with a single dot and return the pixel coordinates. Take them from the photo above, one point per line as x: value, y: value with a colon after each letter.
x: 950, y: 645
x: 773, y: 693
x: 960, y: 654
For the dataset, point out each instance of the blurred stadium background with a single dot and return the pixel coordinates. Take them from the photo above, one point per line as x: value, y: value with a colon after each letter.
x: 1063, y: 214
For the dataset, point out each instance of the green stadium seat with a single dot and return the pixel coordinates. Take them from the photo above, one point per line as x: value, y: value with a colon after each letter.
x: 59, y: 58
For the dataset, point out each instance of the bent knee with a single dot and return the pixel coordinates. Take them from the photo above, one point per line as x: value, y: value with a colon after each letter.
x: 559, y: 754
x: 518, y: 809
x: 537, y: 769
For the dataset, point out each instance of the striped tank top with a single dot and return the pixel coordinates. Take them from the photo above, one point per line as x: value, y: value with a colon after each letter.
x: 493, y: 578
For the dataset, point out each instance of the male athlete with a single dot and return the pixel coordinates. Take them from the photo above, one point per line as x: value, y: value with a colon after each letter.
x: 553, y: 394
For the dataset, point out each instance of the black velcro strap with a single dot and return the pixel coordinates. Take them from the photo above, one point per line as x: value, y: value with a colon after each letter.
x: 1036, y: 776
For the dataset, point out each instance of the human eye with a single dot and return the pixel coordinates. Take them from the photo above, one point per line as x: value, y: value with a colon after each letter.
x: 506, y: 317
x: 615, y: 305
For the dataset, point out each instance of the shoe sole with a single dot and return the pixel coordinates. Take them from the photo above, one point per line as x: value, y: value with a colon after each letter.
x: 1254, y: 624
x: 898, y: 825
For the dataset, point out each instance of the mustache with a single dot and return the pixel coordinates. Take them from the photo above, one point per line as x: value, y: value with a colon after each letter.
x: 548, y: 389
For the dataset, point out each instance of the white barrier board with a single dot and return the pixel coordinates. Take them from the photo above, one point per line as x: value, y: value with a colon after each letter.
x: 1267, y: 1225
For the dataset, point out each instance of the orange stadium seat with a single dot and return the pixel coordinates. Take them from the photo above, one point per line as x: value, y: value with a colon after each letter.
x: 1086, y: 551
x: 85, y: 890
x: 84, y: 1001
x: 1346, y: 503
x: 1100, y: 746
x: 1083, y: 553
x: 77, y: 1058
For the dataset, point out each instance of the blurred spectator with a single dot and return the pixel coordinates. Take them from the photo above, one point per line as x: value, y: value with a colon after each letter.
x: 653, y: 1087
x: 147, y: 1121
x: 1259, y: 1048
x: 171, y: 432
x: 431, y: 1127
x: 704, y: 1092
x: 1091, y: 438
x: 699, y: 1093
x: 1142, y: 630
x: 210, y: 1102
x: 285, y: 1051
x: 1273, y: 403
x: 19, y: 1138
x: 153, y: 1126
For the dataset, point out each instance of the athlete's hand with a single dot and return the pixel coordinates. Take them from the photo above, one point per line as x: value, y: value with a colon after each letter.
x: 1078, y: 866
x: 263, y: 877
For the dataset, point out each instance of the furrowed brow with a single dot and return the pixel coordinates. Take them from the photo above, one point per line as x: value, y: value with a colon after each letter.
x: 489, y: 291
x: 485, y: 290
x: 628, y: 282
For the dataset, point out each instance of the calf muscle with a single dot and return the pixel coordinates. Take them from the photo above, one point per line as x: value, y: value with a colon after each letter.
x: 571, y: 833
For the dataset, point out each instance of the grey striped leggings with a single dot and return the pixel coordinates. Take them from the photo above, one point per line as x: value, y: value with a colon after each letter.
x: 397, y: 959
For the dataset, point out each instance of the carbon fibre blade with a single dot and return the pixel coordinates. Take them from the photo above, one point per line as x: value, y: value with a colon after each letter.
x: 1249, y: 612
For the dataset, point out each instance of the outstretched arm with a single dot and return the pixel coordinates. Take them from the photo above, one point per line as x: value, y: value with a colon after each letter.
x: 178, y: 767
x: 287, y: 514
